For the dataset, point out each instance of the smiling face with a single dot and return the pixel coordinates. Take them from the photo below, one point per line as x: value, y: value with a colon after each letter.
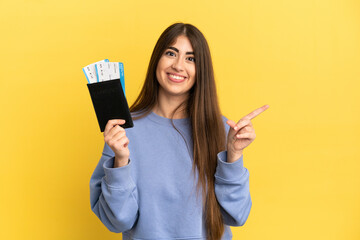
x: 175, y: 71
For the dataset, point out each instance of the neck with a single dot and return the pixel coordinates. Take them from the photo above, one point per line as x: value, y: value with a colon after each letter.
x: 167, y: 104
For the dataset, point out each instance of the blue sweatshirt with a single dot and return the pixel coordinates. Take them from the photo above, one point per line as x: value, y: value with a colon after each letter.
x: 155, y: 195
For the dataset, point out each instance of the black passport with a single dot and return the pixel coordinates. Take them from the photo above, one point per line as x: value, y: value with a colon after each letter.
x: 109, y: 102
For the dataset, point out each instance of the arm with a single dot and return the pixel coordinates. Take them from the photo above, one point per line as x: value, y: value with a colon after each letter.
x: 232, y: 190
x: 231, y: 178
x: 113, y: 194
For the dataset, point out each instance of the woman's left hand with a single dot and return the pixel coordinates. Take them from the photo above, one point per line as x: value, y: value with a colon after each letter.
x: 241, y: 134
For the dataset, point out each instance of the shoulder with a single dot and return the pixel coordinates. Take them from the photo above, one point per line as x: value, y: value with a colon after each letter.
x: 224, y: 119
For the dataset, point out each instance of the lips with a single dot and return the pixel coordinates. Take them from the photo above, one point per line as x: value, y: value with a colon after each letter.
x: 176, y: 77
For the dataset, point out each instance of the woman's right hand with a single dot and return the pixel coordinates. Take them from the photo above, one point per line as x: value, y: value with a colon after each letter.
x: 115, y: 137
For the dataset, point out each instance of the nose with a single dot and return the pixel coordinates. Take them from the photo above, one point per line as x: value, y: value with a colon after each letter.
x: 178, y: 65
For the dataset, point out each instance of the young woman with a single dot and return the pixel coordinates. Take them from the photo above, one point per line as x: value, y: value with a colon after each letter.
x: 175, y: 174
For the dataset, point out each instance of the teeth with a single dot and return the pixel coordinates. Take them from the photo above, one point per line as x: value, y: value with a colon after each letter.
x: 176, y: 77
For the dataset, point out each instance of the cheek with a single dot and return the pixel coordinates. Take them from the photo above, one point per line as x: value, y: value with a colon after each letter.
x: 193, y: 78
x: 193, y: 72
x: 158, y: 70
x: 157, y: 73
x: 161, y: 66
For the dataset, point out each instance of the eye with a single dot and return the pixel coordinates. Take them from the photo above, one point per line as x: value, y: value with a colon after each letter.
x: 191, y: 59
x: 170, y: 53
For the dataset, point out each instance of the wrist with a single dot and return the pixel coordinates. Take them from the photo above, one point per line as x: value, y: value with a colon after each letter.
x: 233, y: 157
x: 120, y: 162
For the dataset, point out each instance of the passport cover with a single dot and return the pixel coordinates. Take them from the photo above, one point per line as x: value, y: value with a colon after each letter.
x: 109, y: 103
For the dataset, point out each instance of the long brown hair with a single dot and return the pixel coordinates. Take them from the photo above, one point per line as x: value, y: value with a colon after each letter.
x: 202, y: 107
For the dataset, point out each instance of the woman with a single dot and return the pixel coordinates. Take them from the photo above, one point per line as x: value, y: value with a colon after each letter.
x: 180, y: 183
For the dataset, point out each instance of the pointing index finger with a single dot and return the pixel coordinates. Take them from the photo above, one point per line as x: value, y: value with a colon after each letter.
x: 255, y: 113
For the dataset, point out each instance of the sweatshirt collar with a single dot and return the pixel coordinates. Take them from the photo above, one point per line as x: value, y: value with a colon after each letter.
x: 167, y: 121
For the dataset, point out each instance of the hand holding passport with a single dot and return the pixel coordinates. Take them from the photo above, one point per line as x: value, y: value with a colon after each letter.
x: 106, y: 86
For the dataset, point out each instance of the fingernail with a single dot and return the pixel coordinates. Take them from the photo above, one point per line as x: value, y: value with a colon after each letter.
x: 238, y: 135
x: 236, y: 128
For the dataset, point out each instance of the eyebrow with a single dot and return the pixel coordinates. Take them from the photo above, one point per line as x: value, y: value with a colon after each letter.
x: 177, y: 50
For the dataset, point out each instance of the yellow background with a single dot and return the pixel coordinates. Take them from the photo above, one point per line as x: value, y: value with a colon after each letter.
x: 301, y: 57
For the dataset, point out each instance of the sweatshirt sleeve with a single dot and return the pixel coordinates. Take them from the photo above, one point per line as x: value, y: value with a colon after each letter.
x: 113, y: 194
x: 232, y: 190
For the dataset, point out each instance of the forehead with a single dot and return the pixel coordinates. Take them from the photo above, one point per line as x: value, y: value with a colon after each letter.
x: 182, y: 43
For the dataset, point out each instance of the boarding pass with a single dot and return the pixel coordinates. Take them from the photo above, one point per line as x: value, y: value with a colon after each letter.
x: 104, y: 70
